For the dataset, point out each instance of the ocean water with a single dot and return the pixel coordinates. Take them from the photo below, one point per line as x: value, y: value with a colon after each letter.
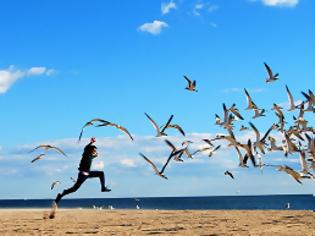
x: 264, y: 202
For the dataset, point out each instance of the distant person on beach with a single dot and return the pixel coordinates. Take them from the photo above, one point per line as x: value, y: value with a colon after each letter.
x: 89, y: 153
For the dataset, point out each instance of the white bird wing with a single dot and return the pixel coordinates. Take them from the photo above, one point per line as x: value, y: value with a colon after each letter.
x: 269, y: 71
x: 54, y: 184
x: 188, y: 81
x: 153, y: 123
x: 59, y: 150
x: 151, y: 163
x: 123, y: 129
x: 291, y: 100
x: 249, y: 99
x: 40, y: 156
x: 256, y: 131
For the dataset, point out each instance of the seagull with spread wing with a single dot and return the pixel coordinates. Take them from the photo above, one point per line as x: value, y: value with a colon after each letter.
x: 177, y: 127
x: 161, y: 172
x: 211, y: 150
x: 272, y: 77
x: 191, y: 84
x: 179, y: 152
x: 260, y: 143
x: 90, y: 123
x: 159, y: 132
x: 229, y: 174
x: 294, y: 174
x: 54, y: 184
x: 250, y: 103
x: 291, y: 100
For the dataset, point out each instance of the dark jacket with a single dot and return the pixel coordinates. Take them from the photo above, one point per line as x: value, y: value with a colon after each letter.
x: 87, y: 158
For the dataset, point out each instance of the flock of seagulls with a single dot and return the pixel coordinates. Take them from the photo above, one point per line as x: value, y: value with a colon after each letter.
x: 295, y: 139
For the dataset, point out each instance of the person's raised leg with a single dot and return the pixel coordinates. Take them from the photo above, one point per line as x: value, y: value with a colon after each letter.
x: 101, y: 176
x: 75, y: 187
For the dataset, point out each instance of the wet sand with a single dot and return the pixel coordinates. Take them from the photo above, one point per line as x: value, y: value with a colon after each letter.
x: 156, y: 222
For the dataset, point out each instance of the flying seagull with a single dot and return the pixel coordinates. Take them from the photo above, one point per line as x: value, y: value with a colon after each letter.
x: 55, y: 183
x: 272, y: 77
x: 191, y: 84
x: 159, y: 132
x: 250, y: 103
x: 47, y: 147
x: 40, y: 156
x: 291, y: 100
x: 235, y: 111
x: 161, y: 172
x: 175, y: 150
x: 90, y: 123
x: 260, y: 142
x: 175, y: 126
x: 210, y: 149
x: 295, y: 175
x: 243, y: 128
x: 229, y: 174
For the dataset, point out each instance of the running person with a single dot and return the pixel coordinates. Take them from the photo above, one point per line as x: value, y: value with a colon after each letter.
x: 89, y: 153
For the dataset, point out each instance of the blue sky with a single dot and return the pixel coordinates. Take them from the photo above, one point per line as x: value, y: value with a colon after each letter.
x: 64, y: 63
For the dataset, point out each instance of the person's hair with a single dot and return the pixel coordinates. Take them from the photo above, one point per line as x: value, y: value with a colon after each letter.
x: 88, y: 149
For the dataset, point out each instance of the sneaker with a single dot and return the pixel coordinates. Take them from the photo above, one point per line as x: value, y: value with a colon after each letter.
x: 105, y: 189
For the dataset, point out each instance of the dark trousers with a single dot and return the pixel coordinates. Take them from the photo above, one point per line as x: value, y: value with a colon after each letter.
x: 81, y: 179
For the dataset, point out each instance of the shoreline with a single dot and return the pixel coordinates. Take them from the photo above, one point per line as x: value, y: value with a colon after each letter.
x: 153, y: 210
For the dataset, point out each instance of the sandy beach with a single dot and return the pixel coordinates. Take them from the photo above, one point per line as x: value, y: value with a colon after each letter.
x: 157, y: 222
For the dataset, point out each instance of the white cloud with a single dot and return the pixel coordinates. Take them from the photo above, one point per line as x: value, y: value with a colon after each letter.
x: 280, y: 3
x: 237, y: 90
x: 204, y: 6
x: 154, y: 28
x: 40, y: 70
x: 36, y: 71
x: 167, y: 7
x: 9, y: 76
x: 98, y: 165
x: 197, y: 8
x: 212, y: 8
x: 213, y: 25
x: 128, y: 162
